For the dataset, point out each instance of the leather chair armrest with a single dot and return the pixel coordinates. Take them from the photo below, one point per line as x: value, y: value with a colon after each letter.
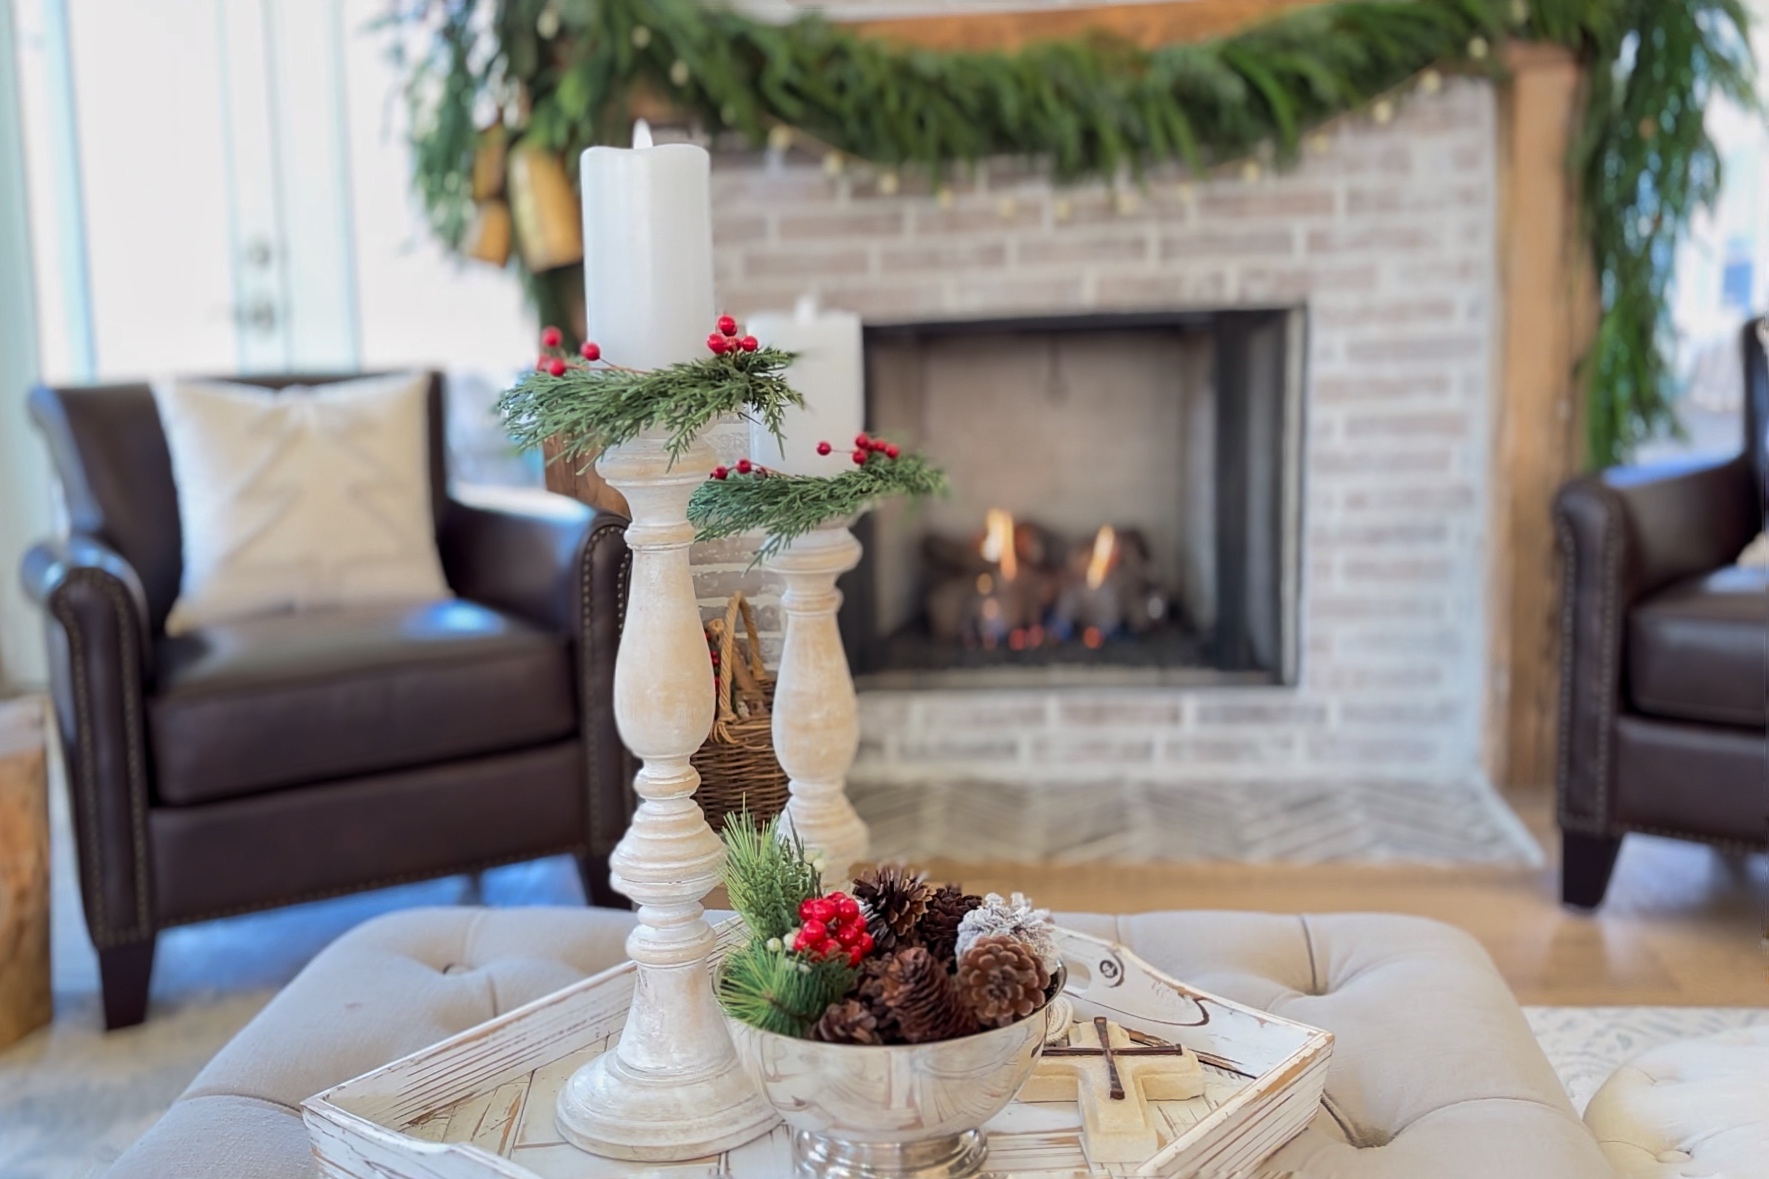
x: 99, y: 653
x: 1623, y: 534
x: 562, y: 565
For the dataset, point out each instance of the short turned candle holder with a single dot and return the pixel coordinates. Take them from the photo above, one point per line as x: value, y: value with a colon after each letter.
x: 672, y: 1089
x: 816, y: 721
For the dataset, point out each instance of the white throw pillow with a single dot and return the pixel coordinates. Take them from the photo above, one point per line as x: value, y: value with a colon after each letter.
x: 304, y: 498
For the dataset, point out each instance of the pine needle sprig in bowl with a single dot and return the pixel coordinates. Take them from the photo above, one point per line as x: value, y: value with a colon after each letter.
x: 590, y: 408
x: 786, y: 507
x: 767, y: 875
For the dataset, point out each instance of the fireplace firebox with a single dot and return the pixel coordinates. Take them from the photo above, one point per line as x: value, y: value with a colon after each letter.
x: 1125, y: 509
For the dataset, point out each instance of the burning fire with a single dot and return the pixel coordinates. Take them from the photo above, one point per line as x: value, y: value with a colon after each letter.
x: 1105, y: 555
x: 998, y: 542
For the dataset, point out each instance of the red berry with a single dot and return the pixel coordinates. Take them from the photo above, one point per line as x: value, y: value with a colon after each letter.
x: 891, y: 451
x: 849, y: 936
x: 862, y: 441
x: 859, y: 458
x: 720, y: 473
x: 540, y: 366
x: 805, y: 910
x: 824, y: 448
x: 854, y: 956
x: 727, y: 326
x: 556, y: 367
x: 717, y: 344
x: 865, y: 944
x: 801, y: 941
x: 822, y: 910
x: 744, y: 466
x: 550, y: 337
x: 847, y: 907
x: 815, y: 930
x: 591, y: 350
x: 749, y: 343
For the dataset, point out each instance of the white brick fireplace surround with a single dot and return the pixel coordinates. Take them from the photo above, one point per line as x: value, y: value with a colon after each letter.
x: 1387, y: 235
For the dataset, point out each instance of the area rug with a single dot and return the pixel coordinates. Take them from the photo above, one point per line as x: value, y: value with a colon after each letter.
x: 1587, y: 1044
x: 1128, y: 821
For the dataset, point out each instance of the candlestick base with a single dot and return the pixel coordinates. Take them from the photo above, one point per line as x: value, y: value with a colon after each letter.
x: 619, y: 1112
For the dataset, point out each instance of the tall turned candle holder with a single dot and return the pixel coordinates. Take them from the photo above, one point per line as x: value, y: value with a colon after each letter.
x: 672, y: 1089
x: 816, y: 721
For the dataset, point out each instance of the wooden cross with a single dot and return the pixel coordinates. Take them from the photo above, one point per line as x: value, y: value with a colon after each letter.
x: 1112, y: 1078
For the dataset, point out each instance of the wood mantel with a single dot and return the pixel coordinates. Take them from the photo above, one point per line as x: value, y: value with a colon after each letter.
x: 1147, y: 25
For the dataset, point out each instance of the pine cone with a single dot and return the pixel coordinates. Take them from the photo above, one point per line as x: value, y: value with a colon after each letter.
x: 847, y: 1021
x: 869, y: 990
x: 922, y: 998
x: 1001, y: 979
x: 938, y: 930
x: 895, y: 899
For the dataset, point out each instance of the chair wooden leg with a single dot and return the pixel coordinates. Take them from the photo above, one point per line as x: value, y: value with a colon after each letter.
x: 123, y: 974
x: 1586, y: 862
x: 593, y: 870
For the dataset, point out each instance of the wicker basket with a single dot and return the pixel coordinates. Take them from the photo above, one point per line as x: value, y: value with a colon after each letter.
x: 737, y: 765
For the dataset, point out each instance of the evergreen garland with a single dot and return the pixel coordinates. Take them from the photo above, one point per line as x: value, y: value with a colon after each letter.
x: 590, y: 408
x: 1093, y: 106
x: 767, y: 875
x: 785, y: 507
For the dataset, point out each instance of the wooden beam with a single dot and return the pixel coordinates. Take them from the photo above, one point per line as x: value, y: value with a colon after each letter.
x: 1147, y: 25
x: 1550, y: 318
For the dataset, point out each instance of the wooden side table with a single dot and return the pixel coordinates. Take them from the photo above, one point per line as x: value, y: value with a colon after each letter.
x: 25, y: 1002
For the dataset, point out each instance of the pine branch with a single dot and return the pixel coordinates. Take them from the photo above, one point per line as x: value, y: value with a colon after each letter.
x: 767, y: 875
x: 591, y: 408
x: 779, y: 991
x: 788, y: 506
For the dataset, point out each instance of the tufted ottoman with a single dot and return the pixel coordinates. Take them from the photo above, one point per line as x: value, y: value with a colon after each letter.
x: 1434, y: 1075
x: 1695, y: 1107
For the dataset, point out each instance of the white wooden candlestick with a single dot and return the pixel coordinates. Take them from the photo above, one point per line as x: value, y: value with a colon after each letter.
x: 673, y: 1088
x: 816, y: 722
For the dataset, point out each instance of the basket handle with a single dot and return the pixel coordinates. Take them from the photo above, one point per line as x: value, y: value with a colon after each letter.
x: 757, y: 668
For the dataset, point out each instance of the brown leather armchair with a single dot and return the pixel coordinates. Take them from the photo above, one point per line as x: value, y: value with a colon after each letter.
x: 1665, y: 661
x: 269, y: 761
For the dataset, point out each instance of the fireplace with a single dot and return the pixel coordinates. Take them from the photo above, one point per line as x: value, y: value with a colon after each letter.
x: 1125, y: 504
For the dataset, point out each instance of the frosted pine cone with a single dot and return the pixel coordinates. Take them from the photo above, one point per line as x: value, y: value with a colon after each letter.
x: 848, y: 1021
x: 938, y: 930
x: 1001, y: 979
x: 895, y: 900
x: 923, y: 999
x: 1015, y: 917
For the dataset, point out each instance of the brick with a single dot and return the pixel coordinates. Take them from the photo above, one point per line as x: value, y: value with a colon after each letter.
x: 1409, y: 533
x: 1371, y: 607
x: 1432, y: 498
x: 1249, y: 243
x: 1409, y: 424
x: 716, y: 585
x: 1324, y: 677
x: 943, y: 256
x: 1344, y: 390
x: 1389, y: 314
x: 1190, y: 288
x: 764, y: 188
x: 1212, y: 750
x: 806, y: 262
x: 1017, y: 294
x: 1022, y: 709
x: 1261, y: 712
x: 1295, y: 282
x: 850, y: 222
x: 1375, y: 464
x: 1092, y: 249
x: 1434, y: 348
x: 974, y: 216
x: 731, y: 550
x: 955, y: 747
x: 1106, y: 711
x: 1384, y: 570
x: 1363, y: 201
x: 1266, y: 202
x: 899, y: 299
x: 1366, y: 239
x: 1385, y: 750
x: 1409, y: 713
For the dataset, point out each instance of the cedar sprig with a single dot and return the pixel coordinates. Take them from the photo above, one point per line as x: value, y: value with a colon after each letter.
x: 779, y: 991
x: 767, y: 875
x: 591, y: 407
x: 785, y: 507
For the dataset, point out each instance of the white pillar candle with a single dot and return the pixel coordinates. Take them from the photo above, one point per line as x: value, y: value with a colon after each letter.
x: 648, y: 250
x: 829, y: 372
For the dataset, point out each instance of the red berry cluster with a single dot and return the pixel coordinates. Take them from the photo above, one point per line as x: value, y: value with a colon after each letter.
x: 833, y: 925
x: 725, y: 339
x: 551, y: 362
x: 743, y: 467
x: 865, y: 447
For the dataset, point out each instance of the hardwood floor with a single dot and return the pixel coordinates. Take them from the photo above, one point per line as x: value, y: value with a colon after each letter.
x: 1683, y: 924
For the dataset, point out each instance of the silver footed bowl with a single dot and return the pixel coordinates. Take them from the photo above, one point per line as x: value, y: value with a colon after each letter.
x: 891, y: 1111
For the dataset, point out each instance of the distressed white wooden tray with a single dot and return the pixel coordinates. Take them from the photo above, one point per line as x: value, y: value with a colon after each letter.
x: 480, y: 1105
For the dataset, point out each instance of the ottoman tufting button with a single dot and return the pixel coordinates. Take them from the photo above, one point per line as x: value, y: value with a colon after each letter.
x: 1674, y: 1156
x: 456, y: 968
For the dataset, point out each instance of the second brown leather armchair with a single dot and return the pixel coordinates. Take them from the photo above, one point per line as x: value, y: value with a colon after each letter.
x: 262, y: 762
x: 1665, y: 661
